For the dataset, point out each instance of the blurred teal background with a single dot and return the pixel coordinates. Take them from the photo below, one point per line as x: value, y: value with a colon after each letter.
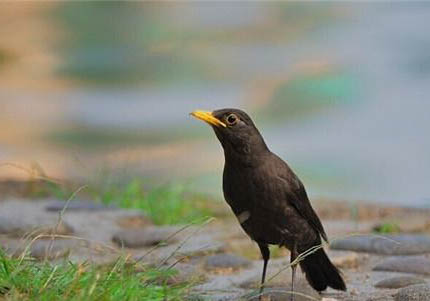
x: 339, y: 90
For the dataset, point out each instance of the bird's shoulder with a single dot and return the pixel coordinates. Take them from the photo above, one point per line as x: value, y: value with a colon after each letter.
x: 280, y: 169
x: 288, y: 191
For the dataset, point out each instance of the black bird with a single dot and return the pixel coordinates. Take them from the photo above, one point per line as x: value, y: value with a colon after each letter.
x: 269, y: 200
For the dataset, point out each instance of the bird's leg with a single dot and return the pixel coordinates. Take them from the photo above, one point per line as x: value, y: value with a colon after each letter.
x: 293, y: 269
x: 265, y: 253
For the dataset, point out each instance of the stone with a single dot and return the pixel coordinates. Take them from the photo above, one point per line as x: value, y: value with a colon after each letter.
x: 254, y: 282
x: 19, y: 226
x: 136, y: 221
x: 405, y: 264
x: 146, y: 237
x: 200, y: 244
x: 398, y: 282
x: 226, y: 261
x: 417, y: 292
x: 305, y: 293
x: 381, y: 298
x: 42, y: 249
x: 187, y: 273
x: 401, y: 244
x: 27, y: 218
x: 348, y: 260
x: 12, y: 247
x: 98, y: 225
x: 278, y: 276
x: 201, y: 247
x: 57, y: 206
x: 195, y: 298
x: 184, y: 247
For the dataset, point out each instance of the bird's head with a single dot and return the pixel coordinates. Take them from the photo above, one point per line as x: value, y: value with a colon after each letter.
x: 235, y: 130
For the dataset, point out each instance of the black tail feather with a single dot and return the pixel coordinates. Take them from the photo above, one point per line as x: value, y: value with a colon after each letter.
x: 320, y: 272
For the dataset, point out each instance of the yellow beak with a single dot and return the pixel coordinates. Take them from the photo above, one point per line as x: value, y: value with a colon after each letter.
x: 208, y: 117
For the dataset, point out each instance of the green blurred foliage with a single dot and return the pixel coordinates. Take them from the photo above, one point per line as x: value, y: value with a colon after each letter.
x: 310, y: 93
x: 387, y: 228
x: 116, y: 42
x: 93, y: 138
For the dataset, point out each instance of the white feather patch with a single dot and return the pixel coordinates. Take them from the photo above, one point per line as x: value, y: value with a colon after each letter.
x: 244, y: 216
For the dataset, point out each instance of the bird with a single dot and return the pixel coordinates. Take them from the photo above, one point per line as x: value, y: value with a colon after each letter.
x: 269, y: 200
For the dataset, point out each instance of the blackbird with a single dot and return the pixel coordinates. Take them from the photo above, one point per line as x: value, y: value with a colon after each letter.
x: 269, y: 200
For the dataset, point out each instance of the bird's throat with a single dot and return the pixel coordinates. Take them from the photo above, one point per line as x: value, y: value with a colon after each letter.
x: 246, y: 155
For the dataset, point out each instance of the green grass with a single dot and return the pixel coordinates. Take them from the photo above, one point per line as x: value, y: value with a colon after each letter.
x: 168, y: 204
x: 30, y: 280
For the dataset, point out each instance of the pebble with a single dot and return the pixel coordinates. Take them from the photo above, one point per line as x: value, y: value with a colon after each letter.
x: 146, y: 237
x: 224, y: 261
x: 56, y: 206
x: 405, y: 264
x: 417, y: 292
x: 398, y: 282
x: 402, y: 244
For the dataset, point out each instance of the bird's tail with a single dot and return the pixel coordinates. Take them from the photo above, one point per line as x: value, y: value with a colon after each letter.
x: 320, y: 272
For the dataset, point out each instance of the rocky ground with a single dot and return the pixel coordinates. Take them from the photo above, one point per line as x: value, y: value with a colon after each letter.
x: 218, y: 257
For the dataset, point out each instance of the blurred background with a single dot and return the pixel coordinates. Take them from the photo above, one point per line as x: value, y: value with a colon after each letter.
x: 103, y: 89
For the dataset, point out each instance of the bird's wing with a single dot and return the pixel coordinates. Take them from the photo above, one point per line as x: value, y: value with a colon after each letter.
x: 296, y: 195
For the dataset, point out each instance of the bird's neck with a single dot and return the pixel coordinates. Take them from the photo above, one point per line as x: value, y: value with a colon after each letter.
x: 249, y: 154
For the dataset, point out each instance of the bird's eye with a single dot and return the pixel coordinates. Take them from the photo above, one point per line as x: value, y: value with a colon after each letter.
x: 232, y: 119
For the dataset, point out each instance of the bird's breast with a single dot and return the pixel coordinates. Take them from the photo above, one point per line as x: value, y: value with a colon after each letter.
x: 237, y: 190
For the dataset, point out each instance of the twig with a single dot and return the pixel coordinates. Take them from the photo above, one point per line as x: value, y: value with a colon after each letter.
x: 113, y: 249
x: 60, y: 218
x: 168, y: 238
x: 185, y: 241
